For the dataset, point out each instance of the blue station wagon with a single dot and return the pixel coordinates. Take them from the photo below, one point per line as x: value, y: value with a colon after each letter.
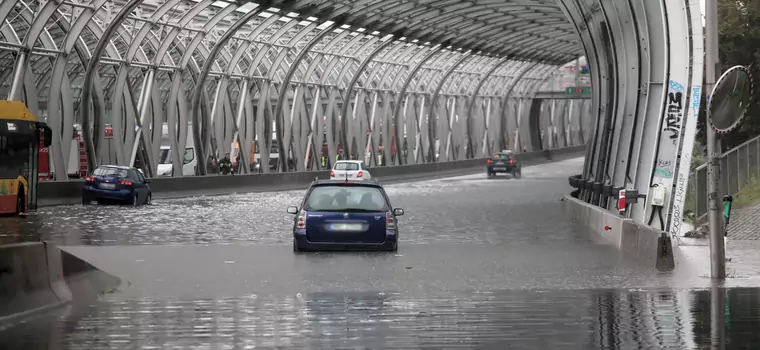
x: 345, y: 215
x: 114, y: 183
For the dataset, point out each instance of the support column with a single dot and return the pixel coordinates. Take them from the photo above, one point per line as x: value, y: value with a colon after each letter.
x: 88, y: 75
x: 200, y: 147
x: 278, y: 112
x: 142, y: 138
x: 350, y: 88
x: 18, y: 76
x: 432, y: 135
x: 400, y: 96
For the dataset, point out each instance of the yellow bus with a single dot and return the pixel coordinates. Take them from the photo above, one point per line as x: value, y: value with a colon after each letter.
x: 21, y: 137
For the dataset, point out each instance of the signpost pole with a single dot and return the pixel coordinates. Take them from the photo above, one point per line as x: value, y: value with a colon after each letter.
x: 717, y: 243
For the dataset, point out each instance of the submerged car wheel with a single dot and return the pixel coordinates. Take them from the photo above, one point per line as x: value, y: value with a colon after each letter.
x: 135, y: 199
x: 295, y: 247
x: 148, y: 200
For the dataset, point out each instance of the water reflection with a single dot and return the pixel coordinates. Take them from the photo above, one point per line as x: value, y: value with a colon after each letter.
x: 581, y: 319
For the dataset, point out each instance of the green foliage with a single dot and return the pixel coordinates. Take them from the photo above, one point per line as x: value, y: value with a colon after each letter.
x: 749, y: 195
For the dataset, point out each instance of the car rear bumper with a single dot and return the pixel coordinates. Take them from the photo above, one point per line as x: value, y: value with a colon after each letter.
x: 97, y: 193
x: 500, y: 169
x: 302, y: 242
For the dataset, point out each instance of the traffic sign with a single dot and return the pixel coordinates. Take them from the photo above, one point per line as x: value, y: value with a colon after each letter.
x: 578, y: 90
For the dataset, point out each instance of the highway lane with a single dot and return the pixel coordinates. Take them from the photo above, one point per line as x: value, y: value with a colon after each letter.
x: 481, y: 262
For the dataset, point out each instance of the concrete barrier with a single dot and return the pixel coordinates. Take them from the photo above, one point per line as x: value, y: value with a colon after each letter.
x: 28, y: 281
x: 650, y: 246
x: 37, y: 276
x: 70, y: 192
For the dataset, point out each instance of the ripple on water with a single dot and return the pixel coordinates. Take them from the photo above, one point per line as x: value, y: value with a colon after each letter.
x: 580, y: 319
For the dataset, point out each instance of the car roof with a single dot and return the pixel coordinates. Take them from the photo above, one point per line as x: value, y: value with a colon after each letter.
x: 349, y: 183
x: 116, y: 166
x: 349, y: 161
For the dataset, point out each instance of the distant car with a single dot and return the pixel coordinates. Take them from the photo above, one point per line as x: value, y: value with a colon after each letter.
x: 115, y: 183
x: 345, y: 215
x: 503, y: 162
x: 351, y: 170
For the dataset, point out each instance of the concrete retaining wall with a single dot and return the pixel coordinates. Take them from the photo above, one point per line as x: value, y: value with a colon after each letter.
x: 29, y: 281
x: 36, y: 277
x: 70, y: 192
x: 649, y: 246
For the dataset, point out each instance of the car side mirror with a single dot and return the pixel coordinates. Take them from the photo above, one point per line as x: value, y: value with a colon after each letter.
x: 293, y: 209
x: 398, y: 211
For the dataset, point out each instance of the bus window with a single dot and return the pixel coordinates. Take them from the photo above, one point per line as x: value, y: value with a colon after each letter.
x: 14, y: 158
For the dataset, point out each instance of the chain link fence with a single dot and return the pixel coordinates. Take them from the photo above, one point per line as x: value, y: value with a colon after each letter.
x: 739, y: 168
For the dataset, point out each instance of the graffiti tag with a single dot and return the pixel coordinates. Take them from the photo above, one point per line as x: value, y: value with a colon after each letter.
x: 678, y: 201
x: 695, y: 97
x: 675, y: 113
x: 665, y: 173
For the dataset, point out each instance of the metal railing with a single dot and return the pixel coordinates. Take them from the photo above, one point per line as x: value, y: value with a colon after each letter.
x: 739, y: 167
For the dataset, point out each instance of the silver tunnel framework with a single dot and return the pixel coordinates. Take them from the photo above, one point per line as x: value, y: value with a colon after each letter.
x: 452, y: 78
x: 647, y: 64
x: 137, y: 62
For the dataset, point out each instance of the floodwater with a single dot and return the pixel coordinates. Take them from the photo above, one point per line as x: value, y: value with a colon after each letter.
x: 482, y: 263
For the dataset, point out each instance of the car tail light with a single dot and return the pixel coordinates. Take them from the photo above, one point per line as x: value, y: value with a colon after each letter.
x: 511, y: 161
x: 125, y: 182
x: 89, y: 179
x: 390, y: 221
x: 359, y: 174
x: 488, y: 161
x: 301, y: 219
x: 332, y: 174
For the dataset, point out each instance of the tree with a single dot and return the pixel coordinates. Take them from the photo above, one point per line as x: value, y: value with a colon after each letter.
x: 739, y: 35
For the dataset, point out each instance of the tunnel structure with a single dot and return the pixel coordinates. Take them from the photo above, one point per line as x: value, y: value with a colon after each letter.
x: 221, y: 73
x: 441, y: 80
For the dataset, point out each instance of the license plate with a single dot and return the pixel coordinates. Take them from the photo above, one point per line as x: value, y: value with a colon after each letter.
x: 107, y: 186
x: 502, y: 169
x: 345, y: 227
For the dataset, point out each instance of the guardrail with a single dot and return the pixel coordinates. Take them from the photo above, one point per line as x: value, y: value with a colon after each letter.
x: 739, y: 166
x: 70, y: 192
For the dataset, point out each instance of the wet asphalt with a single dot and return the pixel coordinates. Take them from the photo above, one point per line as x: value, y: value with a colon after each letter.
x: 482, y: 262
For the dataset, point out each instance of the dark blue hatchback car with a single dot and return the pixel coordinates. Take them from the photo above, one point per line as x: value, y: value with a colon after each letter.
x: 345, y: 215
x: 115, y: 183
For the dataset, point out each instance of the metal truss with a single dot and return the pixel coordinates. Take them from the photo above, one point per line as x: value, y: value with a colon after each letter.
x: 648, y: 59
x: 434, y: 80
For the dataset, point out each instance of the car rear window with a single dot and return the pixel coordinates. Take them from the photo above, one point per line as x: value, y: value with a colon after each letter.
x: 346, y: 198
x: 346, y: 166
x: 501, y: 156
x: 109, y: 171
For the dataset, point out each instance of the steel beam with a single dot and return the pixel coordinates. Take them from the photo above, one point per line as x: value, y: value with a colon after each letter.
x: 200, y: 85
x: 400, y: 96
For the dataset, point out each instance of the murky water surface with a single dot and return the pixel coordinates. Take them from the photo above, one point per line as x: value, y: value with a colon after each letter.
x: 483, y: 263
x: 579, y: 319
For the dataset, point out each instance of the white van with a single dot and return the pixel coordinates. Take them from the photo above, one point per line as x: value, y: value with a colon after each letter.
x: 189, y: 159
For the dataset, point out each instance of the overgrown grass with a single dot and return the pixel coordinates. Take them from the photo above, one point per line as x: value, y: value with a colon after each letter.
x: 749, y: 195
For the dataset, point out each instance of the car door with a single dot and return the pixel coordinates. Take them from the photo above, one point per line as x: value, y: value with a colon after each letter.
x: 138, y: 183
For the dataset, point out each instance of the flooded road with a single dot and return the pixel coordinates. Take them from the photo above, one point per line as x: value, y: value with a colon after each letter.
x: 577, y: 319
x: 482, y: 262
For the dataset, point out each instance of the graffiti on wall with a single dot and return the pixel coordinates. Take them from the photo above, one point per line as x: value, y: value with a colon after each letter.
x: 679, y: 198
x: 674, y: 115
x: 672, y: 128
